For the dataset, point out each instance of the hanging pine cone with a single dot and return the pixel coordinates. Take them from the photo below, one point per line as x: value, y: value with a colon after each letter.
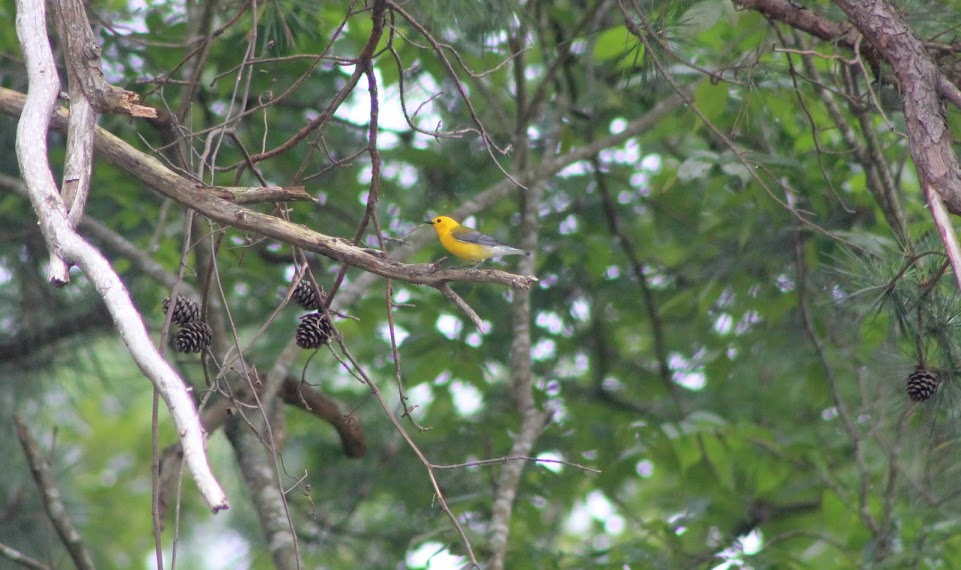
x: 921, y: 384
x: 193, y: 337
x: 314, y: 330
x: 306, y: 296
x: 185, y: 310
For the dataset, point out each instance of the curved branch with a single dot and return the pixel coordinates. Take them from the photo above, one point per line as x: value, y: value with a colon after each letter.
x: 64, y: 242
x: 353, y: 440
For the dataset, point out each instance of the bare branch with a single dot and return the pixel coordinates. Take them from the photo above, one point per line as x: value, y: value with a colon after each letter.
x: 62, y: 240
x: 260, y: 194
x: 82, y: 53
x: 151, y: 172
x: 50, y: 495
x: 353, y: 440
x: 463, y: 306
x: 20, y: 558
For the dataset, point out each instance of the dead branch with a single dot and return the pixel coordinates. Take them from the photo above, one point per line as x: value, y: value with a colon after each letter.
x: 945, y: 229
x: 83, y: 63
x: 62, y: 240
x: 154, y: 174
x: 50, y: 495
x: 259, y: 194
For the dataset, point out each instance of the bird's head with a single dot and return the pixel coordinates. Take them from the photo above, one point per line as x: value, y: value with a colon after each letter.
x: 443, y: 223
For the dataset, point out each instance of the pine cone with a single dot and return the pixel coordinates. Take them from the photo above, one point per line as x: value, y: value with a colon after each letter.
x: 185, y: 310
x: 306, y: 295
x: 921, y: 384
x: 193, y: 337
x: 314, y: 330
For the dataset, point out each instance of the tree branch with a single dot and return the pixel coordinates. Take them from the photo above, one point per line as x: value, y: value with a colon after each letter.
x: 804, y: 19
x: 260, y: 194
x: 50, y: 495
x: 20, y: 558
x: 928, y: 132
x: 533, y: 420
x: 256, y: 463
x: 62, y: 240
x: 154, y: 174
x: 82, y: 53
x: 353, y: 440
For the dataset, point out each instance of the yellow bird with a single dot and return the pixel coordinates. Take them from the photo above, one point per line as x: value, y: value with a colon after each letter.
x: 468, y: 243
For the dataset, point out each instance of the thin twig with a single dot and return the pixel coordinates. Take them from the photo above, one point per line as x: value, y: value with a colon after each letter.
x: 356, y: 370
x: 462, y: 91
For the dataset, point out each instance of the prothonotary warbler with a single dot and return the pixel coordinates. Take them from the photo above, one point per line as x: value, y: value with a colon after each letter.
x: 468, y: 243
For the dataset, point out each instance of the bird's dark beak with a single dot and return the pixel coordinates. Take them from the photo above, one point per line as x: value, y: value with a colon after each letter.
x: 429, y: 222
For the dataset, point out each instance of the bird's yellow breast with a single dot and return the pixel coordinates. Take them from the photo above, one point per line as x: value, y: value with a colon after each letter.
x: 463, y: 250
